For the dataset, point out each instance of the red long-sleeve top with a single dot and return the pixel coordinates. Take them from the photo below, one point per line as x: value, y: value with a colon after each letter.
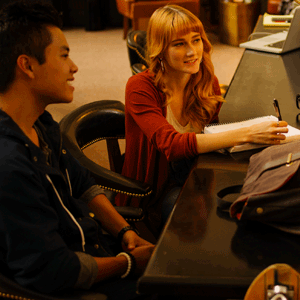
x: 147, y: 130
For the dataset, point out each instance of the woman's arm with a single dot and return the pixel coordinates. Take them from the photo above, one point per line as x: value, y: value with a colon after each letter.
x: 263, y: 133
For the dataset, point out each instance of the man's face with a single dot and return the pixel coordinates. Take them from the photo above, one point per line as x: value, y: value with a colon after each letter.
x: 52, y: 81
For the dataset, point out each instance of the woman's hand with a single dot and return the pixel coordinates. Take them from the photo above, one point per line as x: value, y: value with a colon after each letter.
x: 270, y: 133
x: 266, y: 133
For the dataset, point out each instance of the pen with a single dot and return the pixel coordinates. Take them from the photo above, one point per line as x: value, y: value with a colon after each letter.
x: 277, y: 110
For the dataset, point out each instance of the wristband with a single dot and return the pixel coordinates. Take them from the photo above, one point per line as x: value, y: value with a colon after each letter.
x: 131, y: 264
x: 125, y: 229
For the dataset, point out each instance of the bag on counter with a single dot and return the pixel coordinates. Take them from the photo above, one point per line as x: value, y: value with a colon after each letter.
x: 271, y: 190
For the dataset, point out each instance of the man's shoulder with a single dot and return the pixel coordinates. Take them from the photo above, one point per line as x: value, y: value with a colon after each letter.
x: 13, y: 141
x: 13, y: 151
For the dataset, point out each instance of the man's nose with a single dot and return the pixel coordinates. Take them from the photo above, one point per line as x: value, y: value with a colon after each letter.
x: 74, y: 68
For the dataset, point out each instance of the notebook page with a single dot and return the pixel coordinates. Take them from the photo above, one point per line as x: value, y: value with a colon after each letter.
x: 292, y: 135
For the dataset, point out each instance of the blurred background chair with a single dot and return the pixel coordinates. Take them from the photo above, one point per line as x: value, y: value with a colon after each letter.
x: 135, y: 10
x: 91, y: 123
x: 136, y: 46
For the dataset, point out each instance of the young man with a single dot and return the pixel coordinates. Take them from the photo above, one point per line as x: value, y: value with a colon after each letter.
x: 49, y: 239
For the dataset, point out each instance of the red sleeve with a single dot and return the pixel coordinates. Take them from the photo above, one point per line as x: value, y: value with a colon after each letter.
x: 144, y: 103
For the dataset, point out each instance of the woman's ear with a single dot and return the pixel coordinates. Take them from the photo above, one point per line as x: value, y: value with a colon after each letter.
x: 25, y: 65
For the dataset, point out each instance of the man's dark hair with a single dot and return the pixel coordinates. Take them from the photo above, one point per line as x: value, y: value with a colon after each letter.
x: 23, y: 30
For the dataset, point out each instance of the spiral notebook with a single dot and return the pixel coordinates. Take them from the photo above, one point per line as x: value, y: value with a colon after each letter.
x: 292, y: 135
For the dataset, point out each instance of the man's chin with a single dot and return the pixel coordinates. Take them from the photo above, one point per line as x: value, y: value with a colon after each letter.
x: 60, y: 100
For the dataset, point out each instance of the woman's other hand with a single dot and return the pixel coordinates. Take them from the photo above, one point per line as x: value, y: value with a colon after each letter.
x: 267, y: 133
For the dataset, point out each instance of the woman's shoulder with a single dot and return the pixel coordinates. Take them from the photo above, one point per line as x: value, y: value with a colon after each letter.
x: 141, y: 86
x: 143, y: 78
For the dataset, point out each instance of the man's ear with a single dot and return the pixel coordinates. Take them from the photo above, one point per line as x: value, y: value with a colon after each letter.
x: 25, y: 65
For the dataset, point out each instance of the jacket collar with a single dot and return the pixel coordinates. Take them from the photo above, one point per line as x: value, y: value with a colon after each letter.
x: 49, y: 128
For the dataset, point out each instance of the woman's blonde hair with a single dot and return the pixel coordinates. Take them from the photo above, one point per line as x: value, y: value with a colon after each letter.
x: 200, y: 102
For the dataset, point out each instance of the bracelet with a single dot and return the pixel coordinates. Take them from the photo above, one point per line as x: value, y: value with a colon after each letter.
x: 125, y: 229
x: 131, y: 263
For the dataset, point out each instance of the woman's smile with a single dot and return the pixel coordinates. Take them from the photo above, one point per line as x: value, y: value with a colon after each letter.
x: 184, y: 54
x: 191, y: 61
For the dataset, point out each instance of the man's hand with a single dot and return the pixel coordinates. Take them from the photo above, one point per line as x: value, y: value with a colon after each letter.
x: 142, y: 255
x: 131, y: 241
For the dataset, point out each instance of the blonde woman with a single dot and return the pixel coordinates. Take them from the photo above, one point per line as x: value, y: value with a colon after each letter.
x: 168, y: 105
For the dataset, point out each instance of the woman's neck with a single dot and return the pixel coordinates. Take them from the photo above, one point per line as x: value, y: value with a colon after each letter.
x: 175, y: 86
x: 176, y: 83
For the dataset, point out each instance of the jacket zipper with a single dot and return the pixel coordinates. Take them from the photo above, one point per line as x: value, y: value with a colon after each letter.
x: 68, y: 178
x: 70, y: 214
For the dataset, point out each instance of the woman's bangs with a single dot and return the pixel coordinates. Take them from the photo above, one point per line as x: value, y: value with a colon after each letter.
x: 182, y: 25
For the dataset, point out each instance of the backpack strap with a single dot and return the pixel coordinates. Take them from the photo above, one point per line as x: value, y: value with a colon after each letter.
x: 225, y: 204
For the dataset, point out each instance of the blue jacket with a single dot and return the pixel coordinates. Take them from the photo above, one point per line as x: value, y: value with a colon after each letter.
x: 42, y: 219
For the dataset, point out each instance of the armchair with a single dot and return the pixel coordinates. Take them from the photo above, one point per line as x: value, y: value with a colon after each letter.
x: 136, y: 9
x: 103, y: 120
x: 12, y: 290
x: 136, y: 46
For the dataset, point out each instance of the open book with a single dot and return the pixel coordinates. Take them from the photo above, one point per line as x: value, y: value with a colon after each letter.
x: 292, y: 135
x: 277, y: 20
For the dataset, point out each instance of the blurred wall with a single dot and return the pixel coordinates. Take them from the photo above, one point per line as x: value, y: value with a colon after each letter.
x: 77, y: 12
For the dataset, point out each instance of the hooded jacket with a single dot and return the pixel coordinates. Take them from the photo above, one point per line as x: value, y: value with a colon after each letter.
x: 43, y: 218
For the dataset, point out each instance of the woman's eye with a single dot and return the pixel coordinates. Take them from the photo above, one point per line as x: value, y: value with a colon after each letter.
x: 178, y: 44
x: 197, y: 41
